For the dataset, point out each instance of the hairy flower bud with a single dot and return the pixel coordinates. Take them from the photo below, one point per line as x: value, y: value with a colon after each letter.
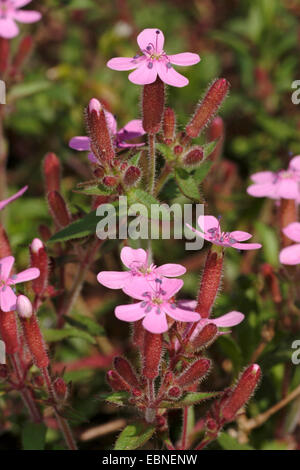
x: 169, y: 122
x: 125, y: 370
x: 132, y: 175
x: 39, y: 259
x: 24, y: 306
x: 193, y: 157
x: 178, y: 149
x: 153, y: 106
x: 101, y: 140
x: 174, y: 392
x: 206, y: 336
x: 152, y: 354
x: 110, y: 181
x: 60, y: 388
x: 5, y: 249
x: 59, y: 209
x: 52, y: 171
x: 208, y: 107
x: 242, y: 392
x: 35, y: 341
x: 9, y: 331
x: 44, y: 232
x: 116, y: 382
x: 195, y: 372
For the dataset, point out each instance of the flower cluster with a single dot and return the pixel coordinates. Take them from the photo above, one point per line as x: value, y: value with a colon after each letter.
x: 10, y: 12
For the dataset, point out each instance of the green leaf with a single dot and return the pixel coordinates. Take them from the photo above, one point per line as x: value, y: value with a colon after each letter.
x: 134, y: 436
x: 187, y: 184
x: 118, y: 398
x: 202, y: 171
x: 191, y: 398
x: 135, y: 159
x: 93, y: 190
x: 209, y: 148
x: 230, y: 443
x: 53, y: 335
x: 86, y: 323
x: 27, y: 89
x: 137, y: 195
x: 267, y: 236
x: 33, y: 436
x: 165, y: 151
x: 78, y: 229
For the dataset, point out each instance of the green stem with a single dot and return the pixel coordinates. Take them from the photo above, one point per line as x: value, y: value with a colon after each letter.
x: 163, y: 178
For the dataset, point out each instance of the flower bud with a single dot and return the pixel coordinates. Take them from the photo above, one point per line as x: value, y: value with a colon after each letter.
x: 193, y: 157
x: 206, y: 336
x: 195, y: 372
x: 44, y: 232
x: 178, y: 149
x: 39, y: 259
x: 132, y: 175
x: 5, y: 249
x: 58, y: 209
x: 169, y: 121
x: 210, y: 282
x: 216, y: 132
x: 60, y: 388
x: 4, y: 54
x: 24, y: 306
x: 208, y: 107
x: 101, y: 141
x: 152, y: 355
x: 116, y: 382
x: 35, y: 341
x: 174, y: 392
x: 125, y: 370
x: 153, y: 106
x: 9, y: 331
x: 110, y: 181
x: 52, y: 171
x: 242, y: 392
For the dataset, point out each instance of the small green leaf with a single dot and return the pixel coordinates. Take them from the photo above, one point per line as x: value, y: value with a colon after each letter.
x: 202, y: 171
x: 137, y: 195
x: 189, y: 399
x: 53, y: 335
x: 27, y: 89
x: 78, y: 229
x: 86, y: 323
x: 165, y: 151
x: 33, y: 436
x: 209, y: 148
x: 135, y: 159
x: 134, y: 436
x: 118, y: 398
x: 187, y: 184
x: 230, y: 443
x: 93, y: 190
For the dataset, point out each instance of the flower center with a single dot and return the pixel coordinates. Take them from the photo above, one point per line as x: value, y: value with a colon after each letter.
x: 216, y: 235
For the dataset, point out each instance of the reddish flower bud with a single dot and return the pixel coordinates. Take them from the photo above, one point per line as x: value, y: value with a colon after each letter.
x: 44, y: 232
x: 52, y: 171
x: 125, y: 370
x: 35, y: 341
x: 58, y: 209
x: 216, y: 131
x: 132, y: 175
x: 174, y: 392
x: 178, y: 149
x: 116, y: 382
x: 24, y: 306
x: 23, y: 52
x: 4, y: 54
x: 99, y: 172
x: 210, y: 282
x: 101, y: 141
x: 193, y: 157
x: 184, y: 139
x: 287, y: 215
x: 153, y: 106
x: 136, y: 392
x: 60, y: 388
x: 39, y: 259
x: 138, y: 334
x: 272, y: 281
x: 242, y: 392
x: 5, y: 249
x: 208, y: 107
x: 152, y: 354
x: 195, y: 372
x: 211, y: 425
x: 206, y: 336
x: 169, y: 125
x: 110, y: 181
x: 9, y: 331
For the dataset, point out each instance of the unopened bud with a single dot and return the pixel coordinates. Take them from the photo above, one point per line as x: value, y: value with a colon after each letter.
x: 125, y: 370
x: 9, y: 331
x: 60, y: 388
x: 45, y: 232
x: 174, y: 392
x: 52, y: 171
x: 5, y: 249
x: 4, y: 54
x: 35, y: 341
x: 132, y: 175
x: 242, y: 392
x: 193, y: 157
x: 216, y: 132
x: 211, y: 425
x: 110, y: 181
x: 195, y: 372
x: 152, y: 354
x: 99, y: 172
x: 116, y: 382
x: 178, y: 149
x: 101, y: 140
x: 153, y: 106
x: 58, y: 209
x: 206, y: 336
x: 208, y: 107
x: 169, y: 125
x: 24, y: 306
x: 39, y: 259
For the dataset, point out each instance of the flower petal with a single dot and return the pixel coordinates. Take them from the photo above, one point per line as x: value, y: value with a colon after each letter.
x: 295, y: 163
x: 6, y: 265
x: 27, y: 275
x: 151, y: 37
x: 170, y: 287
x: 113, y: 279
x: 290, y: 255
x: 240, y: 236
x: 122, y: 63
x: 187, y: 304
x: 263, y: 177
x: 246, y: 246
x: 180, y: 314
x: 133, y: 258
x: 21, y: 3
x: 184, y: 58
x: 171, y: 270
x: 27, y: 16
x: 138, y: 287
x: 143, y: 75
x: 155, y: 322
x: 169, y: 75
x: 111, y: 122
x: 292, y: 231
x: 288, y: 189
x: 81, y: 143
x: 262, y: 190
x: 229, y: 319
x: 8, y: 299
x: 12, y: 198
x: 8, y: 28
x: 92, y: 158
x: 207, y: 222
x: 130, y: 312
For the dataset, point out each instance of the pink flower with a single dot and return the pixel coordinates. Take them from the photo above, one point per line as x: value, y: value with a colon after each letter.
x: 12, y: 198
x: 7, y: 296
x: 154, y: 61
x: 291, y: 254
x: 211, y: 231
x: 10, y: 13
x: 156, y: 302
x: 131, y: 130
x: 275, y: 185
x: 138, y: 267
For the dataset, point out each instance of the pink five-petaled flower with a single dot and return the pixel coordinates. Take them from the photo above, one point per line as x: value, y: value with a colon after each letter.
x: 10, y: 13
x: 12, y: 198
x: 154, y: 61
x: 275, y: 185
x: 131, y: 130
x: 137, y: 263
x: 211, y: 231
x: 156, y: 302
x: 8, y: 298
x: 291, y: 254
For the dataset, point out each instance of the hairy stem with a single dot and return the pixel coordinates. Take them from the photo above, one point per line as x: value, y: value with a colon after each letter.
x: 152, y: 163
